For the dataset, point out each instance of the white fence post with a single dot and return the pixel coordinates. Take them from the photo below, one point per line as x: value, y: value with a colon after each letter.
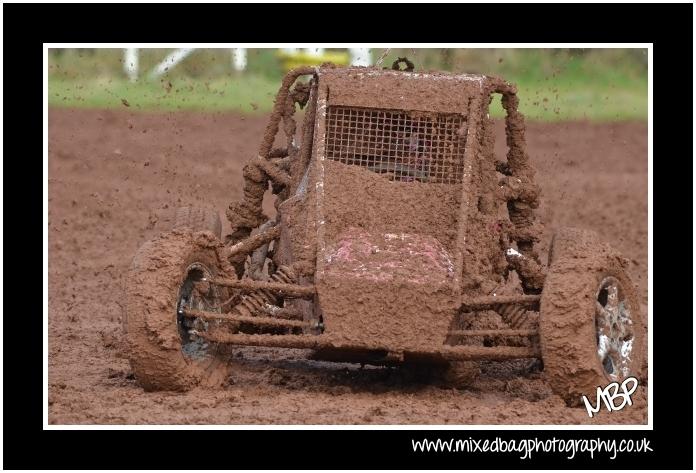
x: 360, y: 57
x: 170, y: 61
x: 130, y: 63
x: 239, y: 58
x: 314, y: 51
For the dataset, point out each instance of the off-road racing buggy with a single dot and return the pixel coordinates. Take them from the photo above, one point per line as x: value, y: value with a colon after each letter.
x: 396, y: 226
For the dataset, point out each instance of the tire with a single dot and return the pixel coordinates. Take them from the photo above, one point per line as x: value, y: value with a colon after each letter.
x: 582, y: 272
x: 162, y: 354
x: 192, y: 218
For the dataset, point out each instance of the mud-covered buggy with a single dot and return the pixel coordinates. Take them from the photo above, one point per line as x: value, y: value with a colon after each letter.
x: 397, y: 232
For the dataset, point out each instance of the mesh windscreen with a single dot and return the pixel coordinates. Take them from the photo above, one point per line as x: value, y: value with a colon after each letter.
x: 402, y: 145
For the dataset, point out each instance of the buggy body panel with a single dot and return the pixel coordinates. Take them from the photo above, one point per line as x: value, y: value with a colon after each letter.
x: 389, y: 174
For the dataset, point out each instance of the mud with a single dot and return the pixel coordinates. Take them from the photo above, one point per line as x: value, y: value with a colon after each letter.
x: 110, y: 171
x: 390, y: 208
x: 366, y: 87
x: 367, y: 293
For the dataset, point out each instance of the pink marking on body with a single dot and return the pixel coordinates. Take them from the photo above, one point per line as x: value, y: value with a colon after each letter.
x: 384, y: 257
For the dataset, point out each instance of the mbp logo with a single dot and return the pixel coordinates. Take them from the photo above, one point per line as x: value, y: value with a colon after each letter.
x: 609, y: 394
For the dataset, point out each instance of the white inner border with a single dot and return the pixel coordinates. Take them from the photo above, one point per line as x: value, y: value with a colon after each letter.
x: 648, y: 46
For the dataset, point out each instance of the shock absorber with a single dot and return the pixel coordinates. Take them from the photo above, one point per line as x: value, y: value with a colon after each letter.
x: 254, y: 302
x: 516, y: 316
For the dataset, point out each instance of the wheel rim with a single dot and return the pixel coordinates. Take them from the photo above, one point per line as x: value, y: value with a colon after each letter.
x: 614, y: 329
x: 197, y: 294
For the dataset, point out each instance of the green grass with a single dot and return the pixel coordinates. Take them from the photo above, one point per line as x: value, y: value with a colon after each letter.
x: 246, y: 94
x: 549, y: 101
x: 559, y: 101
x: 599, y: 85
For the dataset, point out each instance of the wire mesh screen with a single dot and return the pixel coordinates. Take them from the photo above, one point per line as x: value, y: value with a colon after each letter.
x: 404, y: 146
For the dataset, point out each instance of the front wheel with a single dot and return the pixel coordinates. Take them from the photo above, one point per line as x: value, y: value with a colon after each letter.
x: 168, y: 274
x: 590, y: 322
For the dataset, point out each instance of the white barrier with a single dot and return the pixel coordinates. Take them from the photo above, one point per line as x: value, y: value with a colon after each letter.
x: 359, y: 57
x: 130, y: 63
x: 170, y: 61
x: 239, y: 59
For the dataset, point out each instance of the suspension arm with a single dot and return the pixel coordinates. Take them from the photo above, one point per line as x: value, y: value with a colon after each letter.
x: 283, y: 289
x: 263, y: 321
x: 488, y: 302
x: 240, y: 250
x: 324, y: 341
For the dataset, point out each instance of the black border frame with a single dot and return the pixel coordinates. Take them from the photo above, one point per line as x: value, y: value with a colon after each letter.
x: 28, y: 26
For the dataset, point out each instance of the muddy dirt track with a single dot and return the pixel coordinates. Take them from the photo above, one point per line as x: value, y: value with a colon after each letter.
x: 109, y: 171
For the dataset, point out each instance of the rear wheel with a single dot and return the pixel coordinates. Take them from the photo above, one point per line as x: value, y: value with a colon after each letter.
x: 591, y: 327
x: 192, y: 218
x: 168, y: 274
